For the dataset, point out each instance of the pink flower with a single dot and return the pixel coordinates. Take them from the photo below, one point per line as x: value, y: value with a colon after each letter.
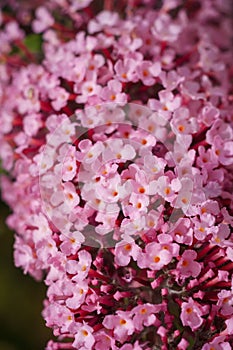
x: 139, y: 201
x: 166, y: 243
x: 117, y: 151
x: 104, y: 19
x: 225, y: 302
x: 71, y: 242
x: 135, y: 238
x: 58, y: 314
x: 43, y: 20
x: 89, y: 152
x: 66, y: 199
x: 146, y: 71
x: 229, y: 324
x: 129, y: 346
x: 183, y: 232
x: 144, y: 315
x: 78, y: 291
x: 32, y: 124
x: 191, y: 314
x: 187, y: 266
x: 113, y: 93
x: 207, y: 159
x: 81, y: 268
x: 183, y: 344
x: 88, y: 89
x: 84, y: 338
x: 217, y: 344
x: 126, y: 70
x: 104, y: 341
x: 124, y: 250
x: 154, y: 257
x: 184, y: 197
x: 79, y: 5
x: 121, y: 324
x: 164, y: 30
x: 224, y: 150
x: 167, y: 103
x: 165, y: 188
x: 182, y: 123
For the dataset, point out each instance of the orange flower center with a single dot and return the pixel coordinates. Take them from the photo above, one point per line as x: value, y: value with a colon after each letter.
x: 156, y: 259
x: 167, y: 191
x: 122, y: 322
x: 189, y: 310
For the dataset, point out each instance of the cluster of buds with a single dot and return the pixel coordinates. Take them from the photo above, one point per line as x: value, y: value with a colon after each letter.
x: 116, y: 136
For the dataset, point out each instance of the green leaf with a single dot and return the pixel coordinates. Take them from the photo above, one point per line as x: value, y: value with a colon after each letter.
x: 2, y: 170
x: 33, y: 42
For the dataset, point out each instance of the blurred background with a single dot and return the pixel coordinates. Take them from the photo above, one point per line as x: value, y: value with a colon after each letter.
x: 21, y: 300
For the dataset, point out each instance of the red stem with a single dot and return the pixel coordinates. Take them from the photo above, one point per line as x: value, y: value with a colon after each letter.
x: 24, y: 48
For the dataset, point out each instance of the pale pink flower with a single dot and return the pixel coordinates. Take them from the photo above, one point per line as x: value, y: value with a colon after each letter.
x: 81, y: 267
x: 89, y: 152
x: 225, y: 302
x: 164, y: 30
x: 88, y: 89
x: 121, y: 324
x: 124, y: 250
x: 147, y: 72
x: 229, y: 324
x: 126, y: 70
x: 117, y: 151
x: 78, y: 291
x: 217, y: 343
x: 71, y: 242
x: 144, y: 315
x: 43, y: 20
x: 154, y: 257
x: 113, y: 93
x: 187, y: 266
x: 191, y: 314
x: 104, y: 341
x: 84, y: 338
x: 183, y: 232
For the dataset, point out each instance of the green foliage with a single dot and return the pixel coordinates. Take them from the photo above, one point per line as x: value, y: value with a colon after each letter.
x: 34, y: 43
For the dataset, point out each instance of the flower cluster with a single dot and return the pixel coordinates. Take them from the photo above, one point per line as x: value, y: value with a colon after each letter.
x: 116, y: 134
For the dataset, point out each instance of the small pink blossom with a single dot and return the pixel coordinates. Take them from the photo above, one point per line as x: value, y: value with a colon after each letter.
x: 154, y: 257
x: 81, y: 268
x: 71, y: 242
x: 104, y: 341
x: 125, y: 250
x: 43, y: 20
x: 146, y: 71
x: 144, y: 315
x: 84, y: 338
x: 78, y: 293
x: 121, y: 324
x: 217, y: 343
x: 191, y: 314
x: 126, y: 70
x: 163, y: 29
x: 113, y: 93
x: 225, y: 302
x: 187, y: 266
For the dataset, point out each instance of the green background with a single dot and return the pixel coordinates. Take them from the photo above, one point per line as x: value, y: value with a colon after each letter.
x: 21, y: 300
